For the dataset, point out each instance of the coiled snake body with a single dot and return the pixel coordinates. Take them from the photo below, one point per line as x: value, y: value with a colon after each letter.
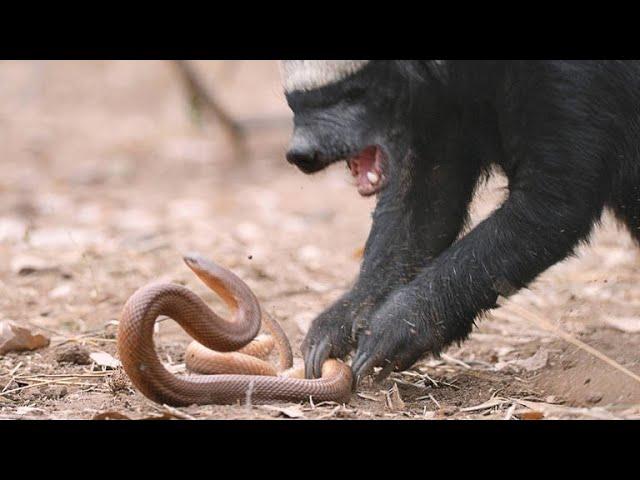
x: 238, y: 375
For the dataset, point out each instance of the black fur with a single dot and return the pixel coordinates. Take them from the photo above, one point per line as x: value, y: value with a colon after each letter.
x: 565, y: 133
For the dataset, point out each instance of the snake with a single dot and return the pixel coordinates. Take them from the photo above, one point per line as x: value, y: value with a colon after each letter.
x: 226, y: 358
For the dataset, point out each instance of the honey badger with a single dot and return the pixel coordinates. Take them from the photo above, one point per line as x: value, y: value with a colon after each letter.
x: 421, y: 135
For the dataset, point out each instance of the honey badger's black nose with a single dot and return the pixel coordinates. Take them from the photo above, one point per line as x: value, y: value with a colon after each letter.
x: 302, y: 153
x: 301, y: 158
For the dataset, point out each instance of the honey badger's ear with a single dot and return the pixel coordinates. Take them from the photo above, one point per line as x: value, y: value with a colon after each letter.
x: 311, y: 74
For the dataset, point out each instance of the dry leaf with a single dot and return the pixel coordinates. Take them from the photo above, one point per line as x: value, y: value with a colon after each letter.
x: 624, y: 324
x: 15, y: 338
x: 394, y: 400
x: 536, y: 362
x: 103, y: 359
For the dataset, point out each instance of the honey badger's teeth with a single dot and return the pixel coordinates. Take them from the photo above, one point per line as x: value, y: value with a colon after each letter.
x: 373, y: 177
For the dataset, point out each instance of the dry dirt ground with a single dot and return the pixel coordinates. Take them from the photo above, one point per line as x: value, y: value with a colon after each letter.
x: 107, y: 176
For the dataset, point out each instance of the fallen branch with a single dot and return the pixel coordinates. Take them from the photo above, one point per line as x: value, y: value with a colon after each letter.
x: 177, y: 413
x: 202, y: 97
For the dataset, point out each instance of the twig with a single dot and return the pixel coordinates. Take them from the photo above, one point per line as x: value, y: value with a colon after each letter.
x: 71, y: 375
x: 202, y: 96
x: 27, y: 386
x: 177, y: 413
x: 13, y: 370
x: 331, y: 413
x: 435, y: 384
x: 532, y: 317
x: 57, y: 381
x: 79, y: 384
x: 75, y: 338
x: 368, y: 397
x: 40, y: 327
x: 510, y: 411
x: 408, y: 384
x: 481, y: 363
x: 100, y: 340
x: 450, y: 385
x: 12, y: 375
x: 327, y: 403
x: 494, y: 402
x: 450, y: 359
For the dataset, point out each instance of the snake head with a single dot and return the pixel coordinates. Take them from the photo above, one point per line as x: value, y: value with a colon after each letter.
x: 233, y: 291
x: 197, y: 262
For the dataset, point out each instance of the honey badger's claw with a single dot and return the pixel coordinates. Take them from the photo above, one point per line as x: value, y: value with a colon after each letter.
x: 319, y: 353
x: 328, y: 337
x: 361, y: 366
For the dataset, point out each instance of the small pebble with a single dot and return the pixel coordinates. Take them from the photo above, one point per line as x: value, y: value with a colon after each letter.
x: 594, y: 398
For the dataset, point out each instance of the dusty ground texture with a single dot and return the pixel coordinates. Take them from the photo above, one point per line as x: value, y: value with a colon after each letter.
x: 107, y: 177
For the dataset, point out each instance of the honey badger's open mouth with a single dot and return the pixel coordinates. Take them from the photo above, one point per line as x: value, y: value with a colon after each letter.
x: 367, y: 167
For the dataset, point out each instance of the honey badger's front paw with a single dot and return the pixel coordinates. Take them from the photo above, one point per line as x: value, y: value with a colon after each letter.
x: 394, y: 338
x: 329, y: 336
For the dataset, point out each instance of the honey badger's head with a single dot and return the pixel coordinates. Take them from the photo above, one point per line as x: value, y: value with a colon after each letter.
x: 360, y: 111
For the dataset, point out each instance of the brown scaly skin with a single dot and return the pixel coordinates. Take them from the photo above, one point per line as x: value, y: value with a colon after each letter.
x: 142, y: 365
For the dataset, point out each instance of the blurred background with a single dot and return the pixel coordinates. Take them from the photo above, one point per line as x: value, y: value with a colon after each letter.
x: 111, y: 170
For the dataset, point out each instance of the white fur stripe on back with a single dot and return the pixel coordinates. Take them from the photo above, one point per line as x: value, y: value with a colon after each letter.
x: 311, y: 74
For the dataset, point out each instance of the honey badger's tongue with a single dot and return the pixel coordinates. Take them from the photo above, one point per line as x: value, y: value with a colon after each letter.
x: 365, y: 167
